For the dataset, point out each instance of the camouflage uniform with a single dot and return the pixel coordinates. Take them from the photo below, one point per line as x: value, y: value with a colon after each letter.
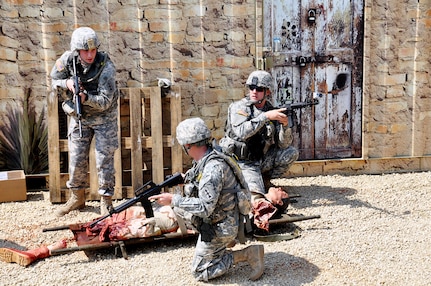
x: 262, y: 146
x: 99, y: 117
x: 209, y: 204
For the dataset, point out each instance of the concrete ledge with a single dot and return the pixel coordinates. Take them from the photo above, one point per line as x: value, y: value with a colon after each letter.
x: 360, y: 166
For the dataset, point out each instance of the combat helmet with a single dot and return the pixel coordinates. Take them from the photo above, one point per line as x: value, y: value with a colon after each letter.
x: 260, y: 78
x: 192, y: 130
x: 84, y: 38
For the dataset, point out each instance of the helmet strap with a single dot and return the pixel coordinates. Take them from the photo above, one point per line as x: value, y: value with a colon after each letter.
x: 186, y: 149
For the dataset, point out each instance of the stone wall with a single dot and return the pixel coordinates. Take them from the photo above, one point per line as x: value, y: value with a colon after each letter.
x: 209, y: 47
x: 397, y: 82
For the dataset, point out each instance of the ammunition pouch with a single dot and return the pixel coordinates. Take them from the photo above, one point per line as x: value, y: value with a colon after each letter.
x: 241, y: 151
x: 205, y: 229
x: 68, y: 107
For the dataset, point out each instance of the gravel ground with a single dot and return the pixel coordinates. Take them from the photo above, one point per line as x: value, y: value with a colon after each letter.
x: 373, y: 230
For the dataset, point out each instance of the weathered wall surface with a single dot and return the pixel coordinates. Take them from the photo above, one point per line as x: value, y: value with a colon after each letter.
x: 209, y: 47
x: 397, y: 82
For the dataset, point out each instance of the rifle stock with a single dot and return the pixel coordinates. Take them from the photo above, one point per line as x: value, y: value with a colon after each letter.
x: 142, y: 194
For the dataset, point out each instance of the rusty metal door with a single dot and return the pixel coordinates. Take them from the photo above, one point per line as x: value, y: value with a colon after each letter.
x: 314, y: 50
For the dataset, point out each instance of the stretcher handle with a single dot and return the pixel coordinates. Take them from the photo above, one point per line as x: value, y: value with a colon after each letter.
x: 55, y: 228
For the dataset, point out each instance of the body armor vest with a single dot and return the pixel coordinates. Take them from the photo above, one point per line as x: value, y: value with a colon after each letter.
x: 242, y: 192
x: 89, y: 77
x: 255, y: 147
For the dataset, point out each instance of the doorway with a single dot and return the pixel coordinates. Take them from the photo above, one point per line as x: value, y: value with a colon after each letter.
x: 315, y: 53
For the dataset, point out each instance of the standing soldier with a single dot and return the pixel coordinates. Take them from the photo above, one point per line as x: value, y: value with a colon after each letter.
x: 261, y: 139
x: 211, y: 206
x: 98, y: 105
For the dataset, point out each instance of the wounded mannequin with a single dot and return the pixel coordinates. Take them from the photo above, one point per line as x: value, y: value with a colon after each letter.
x: 130, y: 223
x: 269, y: 206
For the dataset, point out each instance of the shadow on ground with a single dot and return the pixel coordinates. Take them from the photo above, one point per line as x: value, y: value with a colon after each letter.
x: 316, y: 196
x: 279, y: 266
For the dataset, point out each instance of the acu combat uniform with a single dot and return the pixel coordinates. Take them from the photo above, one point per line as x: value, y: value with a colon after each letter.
x: 211, y: 205
x: 262, y: 146
x: 99, y: 114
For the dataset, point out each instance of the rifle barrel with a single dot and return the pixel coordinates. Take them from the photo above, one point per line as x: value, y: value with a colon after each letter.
x: 173, y: 180
x: 77, y: 97
x: 289, y: 219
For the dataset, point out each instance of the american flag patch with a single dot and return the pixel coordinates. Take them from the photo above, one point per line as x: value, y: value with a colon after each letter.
x: 242, y: 112
x: 59, y: 65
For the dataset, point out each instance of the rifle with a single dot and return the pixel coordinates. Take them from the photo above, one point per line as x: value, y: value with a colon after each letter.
x: 142, y: 194
x: 77, y: 97
x: 291, y: 106
x: 291, y: 218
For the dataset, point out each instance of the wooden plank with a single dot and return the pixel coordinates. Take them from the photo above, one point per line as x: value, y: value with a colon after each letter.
x: 126, y: 142
x: 63, y: 145
x: 136, y: 137
x: 156, y: 134
x: 93, y: 177
x: 175, y: 111
x: 53, y: 148
x: 146, y: 142
x: 146, y: 92
x: 118, y: 191
x: 142, y: 114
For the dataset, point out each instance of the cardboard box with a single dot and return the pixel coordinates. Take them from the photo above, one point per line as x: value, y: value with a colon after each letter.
x: 12, y: 186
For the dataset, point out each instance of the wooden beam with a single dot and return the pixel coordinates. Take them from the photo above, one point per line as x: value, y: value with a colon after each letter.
x: 156, y: 134
x: 53, y: 148
x: 175, y: 111
x: 135, y: 104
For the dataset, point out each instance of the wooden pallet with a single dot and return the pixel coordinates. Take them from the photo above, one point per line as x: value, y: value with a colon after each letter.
x: 147, y: 122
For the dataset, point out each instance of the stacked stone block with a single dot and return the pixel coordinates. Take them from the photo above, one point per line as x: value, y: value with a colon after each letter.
x: 209, y: 47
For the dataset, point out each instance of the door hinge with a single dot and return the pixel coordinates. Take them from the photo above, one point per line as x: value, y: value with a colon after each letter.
x: 265, y: 63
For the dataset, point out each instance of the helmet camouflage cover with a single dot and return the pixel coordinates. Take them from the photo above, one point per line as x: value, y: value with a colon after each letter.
x: 84, y: 38
x: 260, y: 79
x: 192, y: 130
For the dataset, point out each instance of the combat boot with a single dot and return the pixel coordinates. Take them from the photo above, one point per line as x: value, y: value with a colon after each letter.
x: 105, y: 204
x: 76, y: 201
x: 254, y: 255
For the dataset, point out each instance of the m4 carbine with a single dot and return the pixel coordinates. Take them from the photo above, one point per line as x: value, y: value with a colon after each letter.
x: 142, y: 194
x: 77, y: 97
x: 290, y: 107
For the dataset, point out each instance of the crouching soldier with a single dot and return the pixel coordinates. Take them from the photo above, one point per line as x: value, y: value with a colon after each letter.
x: 259, y: 136
x: 211, y: 206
